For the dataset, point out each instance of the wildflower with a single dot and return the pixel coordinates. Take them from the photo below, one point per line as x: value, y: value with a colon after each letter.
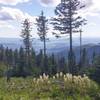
x: 44, y: 75
x: 40, y: 77
x: 69, y: 76
x: 47, y: 76
x: 57, y: 75
x: 48, y: 82
x: 64, y: 76
x: 54, y: 77
x: 37, y: 81
x: 65, y: 79
x: 61, y: 74
x: 34, y: 79
x: 84, y: 75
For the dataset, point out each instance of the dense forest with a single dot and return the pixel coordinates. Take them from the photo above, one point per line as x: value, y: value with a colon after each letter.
x: 25, y: 62
x: 13, y: 64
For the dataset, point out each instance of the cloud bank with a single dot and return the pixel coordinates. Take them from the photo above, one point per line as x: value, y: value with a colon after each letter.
x: 12, y: 2
x: 7, y: 13
x: 92, y: 8
x: 10, y: 15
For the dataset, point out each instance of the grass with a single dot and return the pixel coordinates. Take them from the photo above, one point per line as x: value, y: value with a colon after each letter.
x: 58, y: 87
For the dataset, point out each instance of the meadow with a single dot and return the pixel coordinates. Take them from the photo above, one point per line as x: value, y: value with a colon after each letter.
x: 45, y: 87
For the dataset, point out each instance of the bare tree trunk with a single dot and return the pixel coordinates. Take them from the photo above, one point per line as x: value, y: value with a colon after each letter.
x: 44, y: 55
x: 71, y: 49
x: 80, y: 49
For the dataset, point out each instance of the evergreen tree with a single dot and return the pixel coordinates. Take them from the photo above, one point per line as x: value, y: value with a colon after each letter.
x: 27, y: 40
x: 73, y: 62
x: 8, y: 62
x: 2, y: 53
x: 42, y: 32
x: 21, y: 63
x: 7, y: 56
x: 11, y: 57
x: 33, y: 58
x: 68, y: 22
x: 53, y: 64
x: 62, y: 64
x: 39, y: 61
x: 15, y: 58
x: 94, y: 71
x: 84, y: 58
x: 93, y: 59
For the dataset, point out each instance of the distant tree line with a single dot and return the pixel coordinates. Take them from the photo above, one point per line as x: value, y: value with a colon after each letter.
x: 15, y: 63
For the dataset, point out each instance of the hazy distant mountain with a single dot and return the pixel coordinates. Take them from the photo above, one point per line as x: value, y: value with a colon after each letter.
x: 90, y: 48
x: 54, y: 45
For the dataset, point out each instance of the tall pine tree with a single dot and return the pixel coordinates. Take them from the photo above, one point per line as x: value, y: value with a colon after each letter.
x: 42, y: 32
x: 26, y: 35
x: 68, y: 22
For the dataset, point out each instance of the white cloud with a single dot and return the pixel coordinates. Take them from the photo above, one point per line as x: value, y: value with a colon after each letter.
x: 12, y: 2
x: 4, y: 24
x: 11, y: 19
x: 49, y: 3
x: 7, y: 13
x: 92, y: 8
x: 91, y: 24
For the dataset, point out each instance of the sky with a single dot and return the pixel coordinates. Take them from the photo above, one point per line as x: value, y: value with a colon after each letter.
x: 13, y: 13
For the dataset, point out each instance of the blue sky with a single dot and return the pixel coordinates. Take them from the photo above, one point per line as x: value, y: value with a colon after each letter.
x: 13, y: 12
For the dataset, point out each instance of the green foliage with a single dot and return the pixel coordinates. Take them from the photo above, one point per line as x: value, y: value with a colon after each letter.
x: 3, y: 69
x: 58, y: 87
x: 92, y: 71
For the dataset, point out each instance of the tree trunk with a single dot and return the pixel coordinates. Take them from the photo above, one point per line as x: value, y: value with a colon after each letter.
x: 44, y: 61
x: 71, y: 49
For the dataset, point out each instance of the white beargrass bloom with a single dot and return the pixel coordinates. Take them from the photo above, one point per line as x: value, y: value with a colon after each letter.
x: 47, y: 76
x: 84, y: 75
x: 13, y: 83
x: 79, y: 77
x: 37, y: 81
x: 64, y: 76
x: 44, y: 75
x: 40, y: 77
x: 69, y: 76
x: 65, y: 79
x: 34, y: 79
x: 57, y: 75
x: 61, y: 74
x: 54, y: 77
x: 75, y: 79
x: 48, y: 82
